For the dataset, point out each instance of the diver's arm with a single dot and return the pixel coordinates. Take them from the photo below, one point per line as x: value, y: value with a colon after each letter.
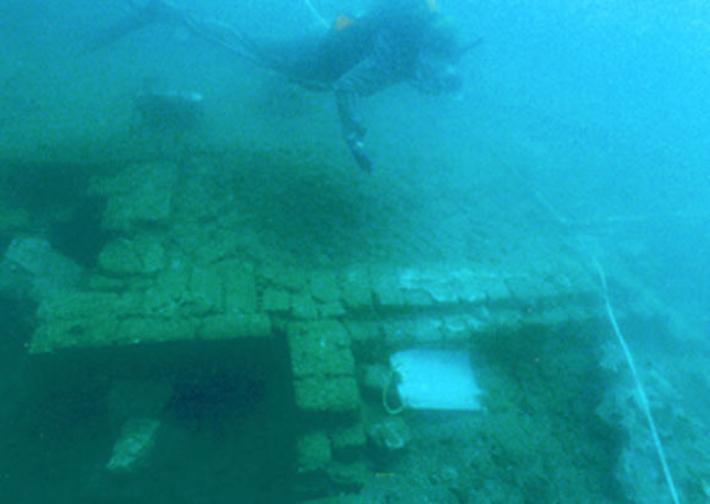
x: 353, y: 129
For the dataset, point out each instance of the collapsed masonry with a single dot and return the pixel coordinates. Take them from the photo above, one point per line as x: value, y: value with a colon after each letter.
x: 174, y: 281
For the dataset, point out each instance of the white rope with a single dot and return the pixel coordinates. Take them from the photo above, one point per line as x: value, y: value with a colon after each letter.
x: 640, y: 392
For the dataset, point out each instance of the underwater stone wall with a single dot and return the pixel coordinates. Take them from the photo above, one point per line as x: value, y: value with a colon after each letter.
x: 170, y: 273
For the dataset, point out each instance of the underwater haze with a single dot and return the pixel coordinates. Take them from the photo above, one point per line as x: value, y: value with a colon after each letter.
x: 354, y: 251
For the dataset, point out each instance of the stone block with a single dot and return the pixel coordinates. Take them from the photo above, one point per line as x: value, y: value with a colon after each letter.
x: 470, y: 290
x: 103, y: 283
x: 313, y: 452
x: 417, y: 298
x: 134, y: 446
x: 276, y: 301
x: 350, y: 476
x: 526, y: 291
x: 159, y: 301
x: 406, y: 332
x: 320, y: 349
x: 348, y: 440
x: 362, y: 331
x: 123, y: 257
x: 324, y: 287
x: 285, y: 277
x: 140, y: 195
x: 235, y: 325
x: 496, y: 290
x: 331, y: 310
x: 427, y: 330
x: 427, y: 286
x: 387, y: 291
x: 456, y: 329
x: 319, y: 394
x: 443, y: 292
x: 205, y: 291
x: 239, y: 287
x: 83, y: 305
x: 119, y: 258
x: 153, y: 330
x: 398, y: 334
x: 303, y: 307
x: 356, y: 290
x: 94, y: 331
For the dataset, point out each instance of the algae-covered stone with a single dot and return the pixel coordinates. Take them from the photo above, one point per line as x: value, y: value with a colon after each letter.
x: 363, y: 331
x: 83, y: 305
x: 495, y: 289
x: 239, y: 287
x: 284, y: 277
x: 79, y: 320
x: 152, y: 255
x: 160, y: 302
x: 313, y: 452
x: 32, y: 269
x: 124, y: 257
x: 374, y: 379
x: 405, y: 332
x: 205, y: 291
x: 398, y: 334
x: 293, y: 279
x: 417, y: 298
x: 427, y: 330
x: 98, y: 282
x: 357, y: 290
x: 425, y: 287
x: 166, y: 295
x: 235, y: 325
x: 324, y: 287
x: 97, y: 330
x: 387, y: 291
x: 303, y: 307
x: 348, y: 440
x: 276, y: 301
x: 140, y: 195
x: 528, y: 292
x: 352, y: 476
x: 151, y: 330
x: 134, y: 446
x: 456, y: 329
x: 331, y: 310
x: 321, y: 348
x: 390, y: 434
x: 327, y: 394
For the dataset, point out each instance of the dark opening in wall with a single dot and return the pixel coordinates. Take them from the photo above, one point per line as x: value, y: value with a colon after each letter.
x: 55, y: 195
x: 80, y: 237
x: 42, y: 187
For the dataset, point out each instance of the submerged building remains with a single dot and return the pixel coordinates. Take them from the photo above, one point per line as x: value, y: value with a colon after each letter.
x: 239, y: 326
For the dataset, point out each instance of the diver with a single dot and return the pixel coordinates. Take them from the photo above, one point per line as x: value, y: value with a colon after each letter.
x: 397, y: 41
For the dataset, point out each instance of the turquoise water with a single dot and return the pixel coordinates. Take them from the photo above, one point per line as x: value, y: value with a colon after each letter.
x: 199, y: 301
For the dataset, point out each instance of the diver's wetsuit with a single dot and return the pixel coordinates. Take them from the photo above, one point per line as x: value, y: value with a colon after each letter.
x: 356, y: 58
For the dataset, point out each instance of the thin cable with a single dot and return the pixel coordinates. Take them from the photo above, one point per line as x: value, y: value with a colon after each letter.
x: 641, y: 393
x: 316, y: 14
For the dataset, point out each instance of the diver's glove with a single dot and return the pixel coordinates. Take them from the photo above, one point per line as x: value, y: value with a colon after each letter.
x: 357, y: 149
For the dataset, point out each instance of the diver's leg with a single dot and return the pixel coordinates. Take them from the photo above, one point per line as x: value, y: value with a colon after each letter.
x: 365, y: 79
